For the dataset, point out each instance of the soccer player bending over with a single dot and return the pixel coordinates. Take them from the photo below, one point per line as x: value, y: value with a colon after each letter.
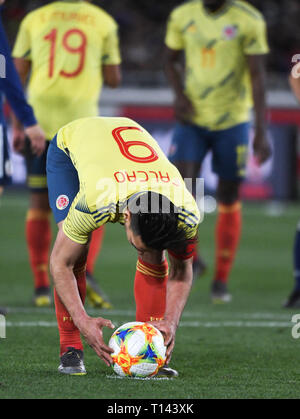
x: 103, y: 170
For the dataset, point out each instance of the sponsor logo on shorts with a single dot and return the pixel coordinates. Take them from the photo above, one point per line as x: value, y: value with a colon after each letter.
x: 62, y: 202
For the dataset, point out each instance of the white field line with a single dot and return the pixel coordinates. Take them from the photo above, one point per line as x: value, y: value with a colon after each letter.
x: 192, y: 324
x: 186, y: 314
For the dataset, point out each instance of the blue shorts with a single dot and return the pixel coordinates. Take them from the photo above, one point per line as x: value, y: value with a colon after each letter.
x: 229, y: 148
x: 62, y: 179
x: 5, y: 164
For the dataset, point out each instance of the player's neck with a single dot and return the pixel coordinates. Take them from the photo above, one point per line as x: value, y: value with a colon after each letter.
x: 216, y: 7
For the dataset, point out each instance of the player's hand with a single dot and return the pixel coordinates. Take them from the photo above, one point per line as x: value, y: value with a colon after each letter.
x: 37, y: 139
x: 168, y: 330
x: 18, y: 139
x: 91, y: 329
x: 183, y: 108
x: 261, y: 147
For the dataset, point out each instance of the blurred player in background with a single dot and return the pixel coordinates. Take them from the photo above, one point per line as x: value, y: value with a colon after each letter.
x: 67, y: 49
x: 118, y: 174
x: 224, y: 44
x: 11, y: 89
x: 293, y: 300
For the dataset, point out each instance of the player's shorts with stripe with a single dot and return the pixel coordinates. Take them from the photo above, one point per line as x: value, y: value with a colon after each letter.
x: 229, y: 148
x: 63, y: 182
x: 36, y: 168
x: 5, y: 164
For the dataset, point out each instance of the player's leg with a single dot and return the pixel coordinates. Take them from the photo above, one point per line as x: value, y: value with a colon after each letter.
x: 63, y: 186
x: 71, y: 346
x: 293, y: 301
x: 227, y: 235
x: 187, y: 151
x: 95, y: 248
x: 150, y: 287
x: 38, y: 226
x: 150, y: 291
x: 5, y: 164
x: 95, y: 294
x: 229, y: 160
x: 5, y: 170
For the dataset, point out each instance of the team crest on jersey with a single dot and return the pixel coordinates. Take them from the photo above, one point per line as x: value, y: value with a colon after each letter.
x: 62, y: 202
x: 230, y: 32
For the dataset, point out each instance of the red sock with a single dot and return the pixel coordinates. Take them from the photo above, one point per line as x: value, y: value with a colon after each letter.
x: 38, y: 236
x: 69, y: 335
x: 95, y: 247
x: 228, y: 230
x: 150, y: 290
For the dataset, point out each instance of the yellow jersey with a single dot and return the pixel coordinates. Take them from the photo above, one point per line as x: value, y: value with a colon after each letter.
x: 116, y: 159
x: 67, y: 44
x: 217, y: 78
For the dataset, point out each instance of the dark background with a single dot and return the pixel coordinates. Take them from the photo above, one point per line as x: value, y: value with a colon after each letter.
x: 142, y: 26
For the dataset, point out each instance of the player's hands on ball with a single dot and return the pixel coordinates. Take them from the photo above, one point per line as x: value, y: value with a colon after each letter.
x: 92, y: 331
x: 168, y: 330
x: 261, y: 147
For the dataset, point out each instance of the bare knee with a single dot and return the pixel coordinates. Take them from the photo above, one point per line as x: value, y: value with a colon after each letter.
x: 39, y: 201
x: 228, y: 191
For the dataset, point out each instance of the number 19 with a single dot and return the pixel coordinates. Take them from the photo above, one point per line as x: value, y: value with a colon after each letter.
x: 80, y: 51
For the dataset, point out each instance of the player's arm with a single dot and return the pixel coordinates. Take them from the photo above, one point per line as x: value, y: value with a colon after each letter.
x: 65, y: 256
x: 261, y: 146
x: 112, y: 75
x: 111, y: 58
x: 295, y: 86
x: 255, y: 47
x: 22, y: 63
x: 179, y: 286
x: 23, y: 67
x: 174, y: 70
x: 34, y: 132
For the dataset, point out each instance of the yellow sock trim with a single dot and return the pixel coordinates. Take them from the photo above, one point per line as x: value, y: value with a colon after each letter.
x: 149, y: 271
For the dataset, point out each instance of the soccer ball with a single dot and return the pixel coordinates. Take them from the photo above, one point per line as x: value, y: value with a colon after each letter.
x: 139, y: 350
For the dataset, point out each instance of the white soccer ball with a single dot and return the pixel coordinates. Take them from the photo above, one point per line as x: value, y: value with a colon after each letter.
x: 139, y: 350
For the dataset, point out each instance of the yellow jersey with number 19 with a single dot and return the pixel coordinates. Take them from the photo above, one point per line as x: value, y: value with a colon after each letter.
x: 216, y: 44
x: 67, y: 44
x: 116, y: 159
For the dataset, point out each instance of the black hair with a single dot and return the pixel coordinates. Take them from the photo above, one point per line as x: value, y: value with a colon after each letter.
x: 155, y: 218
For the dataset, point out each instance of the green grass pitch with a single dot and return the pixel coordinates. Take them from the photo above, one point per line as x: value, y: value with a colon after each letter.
x: 241, y: 350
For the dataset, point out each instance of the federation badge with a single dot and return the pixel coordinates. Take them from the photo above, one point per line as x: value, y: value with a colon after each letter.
x: 62, y: 202
x: 230, y: 32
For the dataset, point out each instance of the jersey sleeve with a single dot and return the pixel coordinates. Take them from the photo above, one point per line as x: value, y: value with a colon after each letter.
x: 11, y: 85
x: 187, y: 253
x: 111, y: 51
x: 22, y: 46
x: 255, y: 39
x: 174, y: 38
x: 79, y: 222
